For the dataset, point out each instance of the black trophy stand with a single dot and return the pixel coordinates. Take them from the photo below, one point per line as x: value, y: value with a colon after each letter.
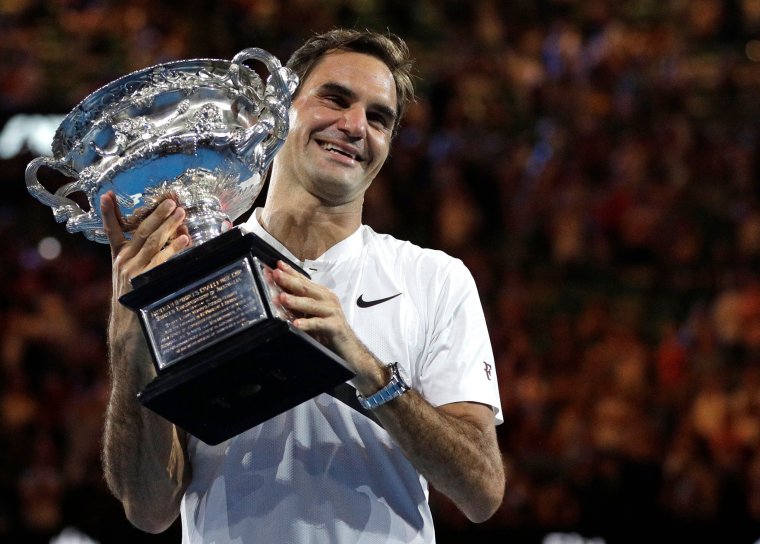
x: 217, y: 387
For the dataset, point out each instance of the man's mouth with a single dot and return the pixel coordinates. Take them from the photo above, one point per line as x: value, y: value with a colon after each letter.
x: 332, y: 148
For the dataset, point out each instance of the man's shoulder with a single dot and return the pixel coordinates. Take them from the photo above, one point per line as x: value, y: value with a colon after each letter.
x: 405, y: 251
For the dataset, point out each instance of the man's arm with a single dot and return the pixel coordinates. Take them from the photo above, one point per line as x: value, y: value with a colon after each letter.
x: 453, y: 446
x: 144, y: 456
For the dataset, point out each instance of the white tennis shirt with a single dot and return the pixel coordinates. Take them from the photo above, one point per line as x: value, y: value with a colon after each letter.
x: 323, y: 473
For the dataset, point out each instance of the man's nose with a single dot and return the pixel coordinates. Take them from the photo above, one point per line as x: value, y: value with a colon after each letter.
x: 354, y: 122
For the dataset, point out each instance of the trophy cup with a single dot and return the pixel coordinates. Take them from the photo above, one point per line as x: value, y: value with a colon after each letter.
x: 203, y: 132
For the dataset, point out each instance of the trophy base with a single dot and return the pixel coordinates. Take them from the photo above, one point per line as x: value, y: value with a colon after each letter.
x: 268, y: 370
x: 226, y: 356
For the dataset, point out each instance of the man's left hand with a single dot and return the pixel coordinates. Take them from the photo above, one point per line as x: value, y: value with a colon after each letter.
x: 323, y: 319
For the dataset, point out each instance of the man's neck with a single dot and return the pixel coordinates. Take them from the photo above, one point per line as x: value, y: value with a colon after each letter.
x: 309, y: 231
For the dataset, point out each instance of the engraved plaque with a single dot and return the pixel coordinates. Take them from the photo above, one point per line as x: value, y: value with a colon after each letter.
x: 204, y: 313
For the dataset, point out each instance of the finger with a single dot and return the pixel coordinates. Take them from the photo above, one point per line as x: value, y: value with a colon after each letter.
x: 293, y: 282
x: 172, y: 248
x: 153, y: 222
x: 179, y: 243
x: 305, y: 305
x: 111, y: 225
x: 117, y: 208
x: 311, y: 325
x: 156, y: 242
x: 183, y: 230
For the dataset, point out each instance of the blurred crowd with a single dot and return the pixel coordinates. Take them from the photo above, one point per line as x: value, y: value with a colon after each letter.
x: 596, y: 165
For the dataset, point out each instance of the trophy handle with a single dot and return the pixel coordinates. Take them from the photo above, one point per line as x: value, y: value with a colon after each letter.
x: 281, y: 85
x: 283, y: 79
x: 63, y: 208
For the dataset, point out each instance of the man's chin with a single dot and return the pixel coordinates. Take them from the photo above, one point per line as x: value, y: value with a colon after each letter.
x: 339, y: 191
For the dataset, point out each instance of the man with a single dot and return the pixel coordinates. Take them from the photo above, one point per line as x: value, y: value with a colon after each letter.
x: 323, y: 472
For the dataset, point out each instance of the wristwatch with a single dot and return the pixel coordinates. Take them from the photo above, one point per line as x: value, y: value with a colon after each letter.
x: 395, y: 388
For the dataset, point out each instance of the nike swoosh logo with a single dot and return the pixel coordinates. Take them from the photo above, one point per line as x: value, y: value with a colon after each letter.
x: 361, y: 303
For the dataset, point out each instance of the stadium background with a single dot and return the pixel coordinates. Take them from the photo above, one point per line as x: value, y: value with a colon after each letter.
x: 595, y: 164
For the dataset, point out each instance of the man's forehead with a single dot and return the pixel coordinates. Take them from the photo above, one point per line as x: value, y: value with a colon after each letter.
x: 344, y: 56
x: 339, y: 65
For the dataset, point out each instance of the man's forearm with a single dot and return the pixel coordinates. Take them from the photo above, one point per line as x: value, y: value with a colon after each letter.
x: 458, y: 457
x: 453, y: 446
x: 143, y: 454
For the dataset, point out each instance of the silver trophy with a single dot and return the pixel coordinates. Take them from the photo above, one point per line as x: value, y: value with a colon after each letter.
x: 203, y: 132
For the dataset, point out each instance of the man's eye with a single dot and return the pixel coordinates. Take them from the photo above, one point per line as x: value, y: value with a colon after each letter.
x: 335, y: 99
x: 379, y: 120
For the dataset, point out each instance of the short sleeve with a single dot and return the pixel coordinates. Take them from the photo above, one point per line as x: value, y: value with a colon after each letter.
x: 458, y: 362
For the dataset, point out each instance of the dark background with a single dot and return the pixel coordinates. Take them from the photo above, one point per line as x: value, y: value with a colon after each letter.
x: 594, y: 163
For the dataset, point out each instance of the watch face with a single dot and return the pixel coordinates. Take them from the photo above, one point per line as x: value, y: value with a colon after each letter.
x: 396, y: 376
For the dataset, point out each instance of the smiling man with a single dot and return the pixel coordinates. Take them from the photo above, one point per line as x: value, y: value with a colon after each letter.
x: 407, y: 320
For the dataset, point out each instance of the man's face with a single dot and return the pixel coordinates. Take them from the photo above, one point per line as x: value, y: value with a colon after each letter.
x: 341, y: 124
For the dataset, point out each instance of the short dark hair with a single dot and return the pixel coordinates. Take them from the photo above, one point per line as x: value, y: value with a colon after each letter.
x: 389, y: 48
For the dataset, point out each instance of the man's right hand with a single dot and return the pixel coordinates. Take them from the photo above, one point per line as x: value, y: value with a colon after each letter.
x: 144, y: 456
x: 158, y: 237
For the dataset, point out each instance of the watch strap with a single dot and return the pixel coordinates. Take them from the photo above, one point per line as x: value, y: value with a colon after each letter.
x: 346, y: 394
x: 395, y: 388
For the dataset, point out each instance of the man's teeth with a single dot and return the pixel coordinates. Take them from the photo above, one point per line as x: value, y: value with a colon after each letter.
x: 330, y: 147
